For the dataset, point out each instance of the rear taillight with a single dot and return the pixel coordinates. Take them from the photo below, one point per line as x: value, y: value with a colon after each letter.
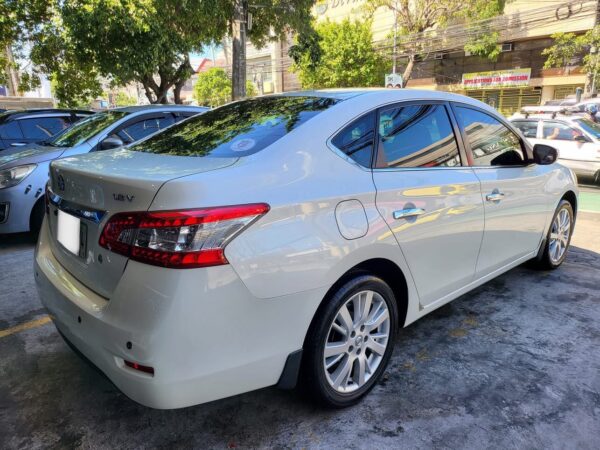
x: 179, y: 239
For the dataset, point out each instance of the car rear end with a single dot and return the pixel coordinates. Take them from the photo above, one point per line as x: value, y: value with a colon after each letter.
x: 146, y: 292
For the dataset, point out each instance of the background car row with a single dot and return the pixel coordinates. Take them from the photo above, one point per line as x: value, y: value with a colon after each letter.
x: 24, y: 170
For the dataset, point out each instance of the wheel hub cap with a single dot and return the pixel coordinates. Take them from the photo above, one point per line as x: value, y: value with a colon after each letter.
x: 357, y: 341
x: 559, y: 235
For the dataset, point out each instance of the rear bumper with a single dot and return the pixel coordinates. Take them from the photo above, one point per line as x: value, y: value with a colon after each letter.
x: 201, y: 330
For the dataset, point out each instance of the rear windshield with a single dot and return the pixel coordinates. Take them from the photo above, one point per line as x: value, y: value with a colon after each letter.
x: 85, y: 129
x: 237, y: 129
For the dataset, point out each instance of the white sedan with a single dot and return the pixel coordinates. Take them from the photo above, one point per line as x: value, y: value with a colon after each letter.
x: 290, y: 237
x: 576, y: 138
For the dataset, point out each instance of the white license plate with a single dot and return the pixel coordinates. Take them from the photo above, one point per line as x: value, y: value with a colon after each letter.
x: 69, y: 232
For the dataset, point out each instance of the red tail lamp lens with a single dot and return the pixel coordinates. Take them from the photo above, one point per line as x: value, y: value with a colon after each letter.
x: 179, y: 239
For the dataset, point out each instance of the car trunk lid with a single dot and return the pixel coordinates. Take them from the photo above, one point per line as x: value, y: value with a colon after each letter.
x: 86, y: 190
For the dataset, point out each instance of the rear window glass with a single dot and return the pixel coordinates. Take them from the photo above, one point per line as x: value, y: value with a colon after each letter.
x: 237, y: 129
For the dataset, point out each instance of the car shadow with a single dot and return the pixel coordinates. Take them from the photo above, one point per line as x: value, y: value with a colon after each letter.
x: 17, y: 241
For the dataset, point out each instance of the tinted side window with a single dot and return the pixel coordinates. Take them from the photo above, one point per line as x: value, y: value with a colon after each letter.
x: 138, y: 130
x: 491, y: 142
x: 43, y: 127
x: 416, y: 136
x: 11, y: 130
x: 528, y: 128
x: 356, y: 140
x: 560, y: 131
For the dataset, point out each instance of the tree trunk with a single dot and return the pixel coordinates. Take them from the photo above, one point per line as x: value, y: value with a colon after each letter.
x: 408, y: 70
x: 238, y: 74
x: 12, y: 75
x: 177, y: 92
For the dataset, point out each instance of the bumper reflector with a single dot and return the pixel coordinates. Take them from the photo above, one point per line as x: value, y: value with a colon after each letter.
x: 136, y: 366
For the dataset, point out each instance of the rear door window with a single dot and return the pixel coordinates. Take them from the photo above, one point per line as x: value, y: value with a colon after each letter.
x: 11, y: 130
x: 356, y: 140
x: 416, y: 136
x: 527, y: 127
x: 145, y: 127
x: 237, y: 129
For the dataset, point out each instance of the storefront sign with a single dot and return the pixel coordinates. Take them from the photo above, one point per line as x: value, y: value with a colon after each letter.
x: 496, y: 79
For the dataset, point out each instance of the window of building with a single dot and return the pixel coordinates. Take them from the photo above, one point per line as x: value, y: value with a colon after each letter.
x: 416, y: 136
x: 491, y: 142
x: 356, y: 140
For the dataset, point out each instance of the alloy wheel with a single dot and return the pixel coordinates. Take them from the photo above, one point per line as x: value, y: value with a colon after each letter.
x: 356, y: 342
x: 559, y: 235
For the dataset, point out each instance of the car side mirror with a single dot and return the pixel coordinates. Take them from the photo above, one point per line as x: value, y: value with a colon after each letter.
x: 544, y: 154
x: 110, y: 143
x: 580, y: 138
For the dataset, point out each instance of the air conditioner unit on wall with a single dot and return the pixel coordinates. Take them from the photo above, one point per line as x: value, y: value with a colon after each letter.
x: 439, y: 55
x: 468, y: 53
x: 508, y: 47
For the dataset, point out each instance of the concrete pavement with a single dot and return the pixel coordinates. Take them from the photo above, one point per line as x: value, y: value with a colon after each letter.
x: 514, y: 364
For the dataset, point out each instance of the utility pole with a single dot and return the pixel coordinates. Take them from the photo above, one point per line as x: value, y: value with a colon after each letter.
x: 395, y: 36
x: 238, y: 72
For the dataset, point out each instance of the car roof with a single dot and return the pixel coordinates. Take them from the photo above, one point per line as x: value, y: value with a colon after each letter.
x: 390, y: 95
x: 538, y: 117
x: 16, y: 114
x: 158, y: 108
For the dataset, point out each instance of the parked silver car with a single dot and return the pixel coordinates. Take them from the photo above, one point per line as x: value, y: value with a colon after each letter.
x: 24, y: 171
x: 290, y: 234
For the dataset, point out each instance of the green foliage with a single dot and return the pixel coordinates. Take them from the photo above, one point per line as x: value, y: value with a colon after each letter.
x: 486, y: 46
x: 345, y: 57
x: 213, y: 88
x: 418, y: 16
x: 124, y: 99
x: 20, y: 22
x: 566, y: 46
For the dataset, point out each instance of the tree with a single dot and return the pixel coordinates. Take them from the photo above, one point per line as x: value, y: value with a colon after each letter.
x: 485, y: 41
x: 345, y: 56
x: 561, y: 54
x: 418, y: 16
x: 213, y: 88
x: 568, y: 46
x: 124, y: 41
x: 20, y: 22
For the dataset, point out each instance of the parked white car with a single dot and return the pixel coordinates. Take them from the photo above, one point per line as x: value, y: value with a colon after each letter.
x: 290, y: 235
x: 576, y: 138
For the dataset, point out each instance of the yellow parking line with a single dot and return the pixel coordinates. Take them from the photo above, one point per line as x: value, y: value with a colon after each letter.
x: 25, y: 326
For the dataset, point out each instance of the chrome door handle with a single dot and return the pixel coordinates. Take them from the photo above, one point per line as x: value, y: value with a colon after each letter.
x: 408, y: 212
x: 494, y: 197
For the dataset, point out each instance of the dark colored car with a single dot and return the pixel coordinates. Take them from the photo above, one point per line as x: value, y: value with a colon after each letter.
x: 19, y: 128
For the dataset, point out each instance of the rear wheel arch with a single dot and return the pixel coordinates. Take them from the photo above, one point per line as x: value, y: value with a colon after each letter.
x: 382, y: 268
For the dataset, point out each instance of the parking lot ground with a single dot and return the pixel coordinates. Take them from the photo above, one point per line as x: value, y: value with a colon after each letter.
x: 514, y: 364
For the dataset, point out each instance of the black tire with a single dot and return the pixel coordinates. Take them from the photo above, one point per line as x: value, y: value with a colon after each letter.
x: 37, y: 217
x: 314, y: 375
x: 546, y: 262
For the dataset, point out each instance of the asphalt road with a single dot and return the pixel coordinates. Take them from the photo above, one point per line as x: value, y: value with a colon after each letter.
x: 514, y: 364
